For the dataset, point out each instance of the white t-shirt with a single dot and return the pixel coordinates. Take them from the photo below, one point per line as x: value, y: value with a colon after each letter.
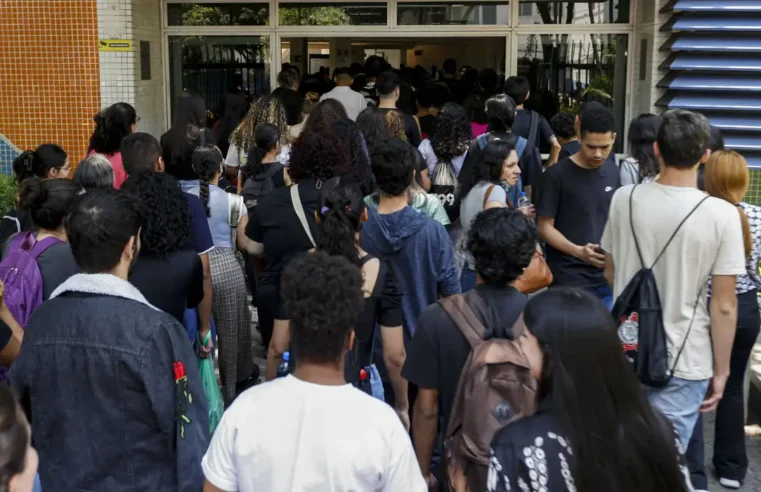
x: 238, y: 158
x: 709, y: 243
x: 291, y: 436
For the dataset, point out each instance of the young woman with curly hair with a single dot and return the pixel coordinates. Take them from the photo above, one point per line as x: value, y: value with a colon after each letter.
x: 445, y: 152
x: 228, y: 217
x: 359, y: 160
x: 324, y: 115
x: 268, y: 109
x: 275, y: 230
x: 111, y: 126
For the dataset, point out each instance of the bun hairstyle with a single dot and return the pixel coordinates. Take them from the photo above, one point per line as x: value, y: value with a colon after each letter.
x: 207, y: 161
x: 112, y: 125
x: 266, y: 138
x: 39, y: 162
x: 15, y: 437
x: 340, y: 210
x: 49, y: 201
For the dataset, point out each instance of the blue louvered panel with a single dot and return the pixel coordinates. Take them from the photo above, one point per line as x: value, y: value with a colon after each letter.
x: 702, y: 81
x: 712, y: 62
x: 714, y: 67
x: 714, y: 6
x: 717, y: 43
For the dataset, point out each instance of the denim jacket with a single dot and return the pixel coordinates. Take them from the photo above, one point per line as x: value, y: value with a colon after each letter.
x: 98, y: 366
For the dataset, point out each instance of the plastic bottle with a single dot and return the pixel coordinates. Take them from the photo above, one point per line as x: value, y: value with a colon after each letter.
x: 523, y: 200
x: 284, y: 368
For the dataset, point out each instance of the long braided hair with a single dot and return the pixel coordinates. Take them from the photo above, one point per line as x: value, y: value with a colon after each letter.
x: 267, y: 109
x: 207, y: 162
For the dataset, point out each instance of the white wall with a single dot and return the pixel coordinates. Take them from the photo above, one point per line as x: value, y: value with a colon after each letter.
x: 478, y: 53
x: 135, y: 20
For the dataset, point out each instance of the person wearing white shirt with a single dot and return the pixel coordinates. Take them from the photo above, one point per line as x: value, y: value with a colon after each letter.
x: 311, y: 430
x: 354, y: 102
x: 699, y: 334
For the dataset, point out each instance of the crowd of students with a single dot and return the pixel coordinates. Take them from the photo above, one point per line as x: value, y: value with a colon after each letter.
x: 398, y: 256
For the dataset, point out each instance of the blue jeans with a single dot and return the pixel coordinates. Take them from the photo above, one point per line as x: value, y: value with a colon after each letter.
x: 680, y: 401
x: 467, y: 278
x: 604, y: 293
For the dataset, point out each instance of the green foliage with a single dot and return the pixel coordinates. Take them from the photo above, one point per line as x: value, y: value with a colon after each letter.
x: 313, y: 16
x: 200, y: 15
x: 7, y: 193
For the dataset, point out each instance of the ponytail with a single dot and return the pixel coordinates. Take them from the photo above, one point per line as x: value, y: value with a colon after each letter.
x: 266, y: 138
x: 340, y: 215
x: 207, y: 162
x: 22, y: 166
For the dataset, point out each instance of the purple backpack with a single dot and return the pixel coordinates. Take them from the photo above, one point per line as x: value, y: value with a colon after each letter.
x: 21, y: 274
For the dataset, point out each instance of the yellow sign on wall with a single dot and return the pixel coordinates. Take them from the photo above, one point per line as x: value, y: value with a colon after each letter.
x: 115, y: 45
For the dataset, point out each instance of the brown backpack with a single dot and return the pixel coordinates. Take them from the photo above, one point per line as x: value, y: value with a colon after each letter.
x: 495, y: 388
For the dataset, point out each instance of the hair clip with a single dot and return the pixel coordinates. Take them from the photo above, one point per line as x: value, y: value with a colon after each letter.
x: 324, y: 210
x: 347, y: 208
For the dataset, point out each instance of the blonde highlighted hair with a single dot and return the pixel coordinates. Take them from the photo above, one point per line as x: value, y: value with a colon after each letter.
x: 727, y: 177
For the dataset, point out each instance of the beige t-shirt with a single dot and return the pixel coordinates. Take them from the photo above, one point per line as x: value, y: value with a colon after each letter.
x: 710, y: 242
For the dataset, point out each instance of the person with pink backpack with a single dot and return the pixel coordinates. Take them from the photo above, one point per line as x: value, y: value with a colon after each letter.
x: 35, y: 263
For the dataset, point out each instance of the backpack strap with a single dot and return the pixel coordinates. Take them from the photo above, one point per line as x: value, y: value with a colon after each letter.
x: 534, y: 126
x: 464, y: 318
x: 41, y: 246
x: 271, y: 171
x: 673, y: 235
x: 520, y: 146
x: 482, y: 141
x: 487, y: 195
x: 298, y: 207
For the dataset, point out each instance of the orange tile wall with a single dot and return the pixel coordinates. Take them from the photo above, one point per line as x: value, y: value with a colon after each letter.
x: 49, y: 73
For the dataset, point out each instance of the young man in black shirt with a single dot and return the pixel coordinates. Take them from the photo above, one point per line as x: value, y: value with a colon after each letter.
x: 501, y: 111
x: 388, y: 87
x: 573, y: 145
x: 528, y: 122
x: 502, y: 243
x: 574, y: 203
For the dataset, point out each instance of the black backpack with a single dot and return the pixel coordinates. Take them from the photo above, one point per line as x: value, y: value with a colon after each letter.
x: 261, y: 185
x: 640, y: 316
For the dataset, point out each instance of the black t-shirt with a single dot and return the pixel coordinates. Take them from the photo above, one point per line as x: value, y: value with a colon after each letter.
x: 439, y: 350
x: 427, y: 125
x: 275, y: 224
x: 171, y: 284
x: 5, y: 335
x: 530, y: 161
x: 574, y: 146
x: 522, y: 127
x: 382, y: 308
x: 410, y: 127
x: 579, y: 200
x: 15, y: 221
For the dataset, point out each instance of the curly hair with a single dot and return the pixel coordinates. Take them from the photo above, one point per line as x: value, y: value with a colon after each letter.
x: 267, y: 109
x: 395, y: 125
x: 111, y: 126
x: 359, y: 160
x: 563, y: 124
x: 319, y: 155
x: 164, y: 210
x: 324, y: 310
x: 324, y: 115
x: 341, y: 207
x: 451, y: 139
x: 372, y: 123
x: 207, y: 162
x: 502, y: 242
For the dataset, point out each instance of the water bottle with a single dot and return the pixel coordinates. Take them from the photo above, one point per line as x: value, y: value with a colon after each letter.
x: 523, y: 200
x: 284, y: 368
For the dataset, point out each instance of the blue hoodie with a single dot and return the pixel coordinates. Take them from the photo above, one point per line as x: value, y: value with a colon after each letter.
x: 421, y: 253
